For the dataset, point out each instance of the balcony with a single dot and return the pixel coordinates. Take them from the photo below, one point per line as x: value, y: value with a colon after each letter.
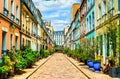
x: 5, y: 12
x: 104, y: 17
x: 111, y: 12
x: 17, y: 21
x: 4, y: 52
x: 12, y: 17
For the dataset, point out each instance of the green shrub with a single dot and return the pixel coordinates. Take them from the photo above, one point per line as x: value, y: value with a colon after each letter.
x: 46, y: 53
x: 20, y: 62
x: 65, y: 50
x: 51, y: 51
x: 6, y: 65
x: 4, y: 69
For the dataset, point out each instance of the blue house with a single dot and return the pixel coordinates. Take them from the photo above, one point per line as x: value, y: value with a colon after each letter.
x: 90, y: 20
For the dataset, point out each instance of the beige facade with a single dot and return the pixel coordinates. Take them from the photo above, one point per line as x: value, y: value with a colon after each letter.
x: 28, y: 27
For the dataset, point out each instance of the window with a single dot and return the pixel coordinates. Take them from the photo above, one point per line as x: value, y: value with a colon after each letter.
x: 11, y: 41
x: 5, y: 11
x: 17, y: 20
x: 119, y: 5
x: 93, y: 20
x: 16, y: 42
x: 12, y: 7
x: 111, y: 7
x: 101, y: 44
x: 87, y: 24
x: 99, y: 15
x: 4, y: 45
x: 99, y: 12
x: 90, y: 22
x: 108, y: 44
x: 5, y: 3
x: 103, y: 7
x: 12, y: 10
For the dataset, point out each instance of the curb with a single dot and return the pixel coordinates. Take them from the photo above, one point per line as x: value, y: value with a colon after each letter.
x: 77, y: 67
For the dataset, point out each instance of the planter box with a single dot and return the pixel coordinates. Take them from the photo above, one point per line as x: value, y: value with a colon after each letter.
x: 4, y: 76
x: 114, y: 72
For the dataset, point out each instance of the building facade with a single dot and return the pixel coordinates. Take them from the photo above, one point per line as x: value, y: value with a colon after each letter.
x: 75, y: 7
x: 76, y: 30
x: 108, y: 29
x: 59, y: 37
x: 83, y: 12
x: 9, y: 25
x: 90, y: 20
x: 29, y: 24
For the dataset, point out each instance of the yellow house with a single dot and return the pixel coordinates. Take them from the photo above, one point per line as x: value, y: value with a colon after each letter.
x: 108, y: 29
x: 28, y: 25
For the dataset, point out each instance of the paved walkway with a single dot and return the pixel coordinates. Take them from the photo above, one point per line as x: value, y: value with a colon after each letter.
x: 31, y: 70
x: 87, y: 71
x: 58, y: 67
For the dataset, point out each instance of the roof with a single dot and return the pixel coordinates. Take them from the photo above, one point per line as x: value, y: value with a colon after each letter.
x: 58, y: 32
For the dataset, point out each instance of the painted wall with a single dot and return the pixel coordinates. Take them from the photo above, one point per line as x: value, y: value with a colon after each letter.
x: 9, y: 26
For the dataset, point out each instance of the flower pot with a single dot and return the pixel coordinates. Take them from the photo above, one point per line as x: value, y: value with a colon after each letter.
x: 97, y: 66
x: 90, y: 64
x: 19, y: 72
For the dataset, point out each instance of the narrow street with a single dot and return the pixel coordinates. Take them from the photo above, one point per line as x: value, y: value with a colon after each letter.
x: 58, y: 67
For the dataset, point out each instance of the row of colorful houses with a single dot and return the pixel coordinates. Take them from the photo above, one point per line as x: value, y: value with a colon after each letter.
x: 21, y: 24
x: 97, y: 20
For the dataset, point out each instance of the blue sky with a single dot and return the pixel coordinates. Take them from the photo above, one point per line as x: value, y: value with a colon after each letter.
x: 56, y: 11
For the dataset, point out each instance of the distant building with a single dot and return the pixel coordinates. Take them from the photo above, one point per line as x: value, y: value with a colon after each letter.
x: 59, y: 37
x: 74, y: 10
x: 66, y: 30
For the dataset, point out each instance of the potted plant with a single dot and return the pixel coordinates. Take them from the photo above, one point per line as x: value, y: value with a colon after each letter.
x: 114, y: 69
x: 5, y: 67
x: 97, y: 65
x: 90, y: 64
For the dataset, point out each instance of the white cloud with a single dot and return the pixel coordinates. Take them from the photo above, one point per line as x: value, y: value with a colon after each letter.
x: 60, y: 24
x: 53, y: 4
x: 56, y: 11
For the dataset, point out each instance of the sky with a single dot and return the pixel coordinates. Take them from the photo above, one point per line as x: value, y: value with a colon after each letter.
x: 56, y: 11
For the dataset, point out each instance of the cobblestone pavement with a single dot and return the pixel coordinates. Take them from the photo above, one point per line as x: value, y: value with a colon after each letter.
x: 58, y: 67
x: 91, y: 74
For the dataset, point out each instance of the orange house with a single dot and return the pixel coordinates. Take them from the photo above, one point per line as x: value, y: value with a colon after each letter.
x: 9, y: 25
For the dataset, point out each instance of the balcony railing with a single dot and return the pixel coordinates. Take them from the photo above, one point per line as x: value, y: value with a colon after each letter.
x: 99, y: 21
x: 5, y: 12
x: 17, y: 21
x: 111, y: 12
x: 12, y: 17
x: 4, y: 52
